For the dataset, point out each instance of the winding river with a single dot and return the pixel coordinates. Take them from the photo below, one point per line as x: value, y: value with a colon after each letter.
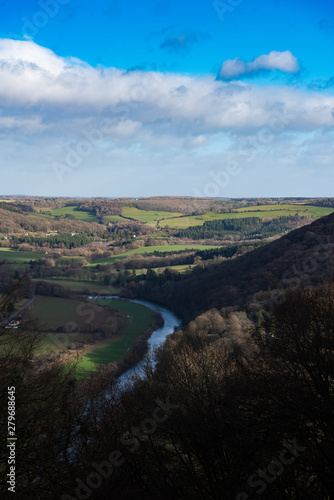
x: 157, y: 339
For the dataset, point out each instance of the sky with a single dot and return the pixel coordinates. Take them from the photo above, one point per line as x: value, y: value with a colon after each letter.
x: 123, y: 98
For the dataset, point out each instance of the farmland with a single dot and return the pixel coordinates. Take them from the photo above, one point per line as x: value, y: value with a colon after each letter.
x: 150, y: 250
x: 13, y: 256
x: 61, y: 315
x: 84, y: 216
x: 148, y: 216
x: 139, y: 320
x: 80, y: 286
x: 262, y: 211
x: 54, y: 312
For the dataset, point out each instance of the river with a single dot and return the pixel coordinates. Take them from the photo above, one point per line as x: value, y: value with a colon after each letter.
x: 157, y: 339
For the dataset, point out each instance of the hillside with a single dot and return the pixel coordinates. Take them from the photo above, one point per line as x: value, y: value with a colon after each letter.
x: 14, y: 221
x: 303, y: 256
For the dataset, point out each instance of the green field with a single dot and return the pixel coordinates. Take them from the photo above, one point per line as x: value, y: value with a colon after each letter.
x: 148, y: 216
x: 262, y: 211
x: 113, y: 218
x: 79, y: 286
x: 176, y: 220
x: 19, y: 257
x: 149, y: 250
x: 182, y: 268
x: 72, y: 210
x: 53, y: 312
x: 139, y: 321
x: 288, y: 209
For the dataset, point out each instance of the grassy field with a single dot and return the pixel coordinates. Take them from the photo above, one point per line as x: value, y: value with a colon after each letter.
x: 289, y: 209
x: 149, y: 250
x: 176, y: 220
x: 53, y: 312
x: 140, y: 318
x: 182, y: 268
x: 262, y: 211
x: 19, y: 257
x: 148, y: 216
x: 79, y: 286
x: 113, y: 218
x: 72, y: 210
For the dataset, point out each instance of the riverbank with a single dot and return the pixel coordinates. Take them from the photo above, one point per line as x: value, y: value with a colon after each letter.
x: 127, y: 349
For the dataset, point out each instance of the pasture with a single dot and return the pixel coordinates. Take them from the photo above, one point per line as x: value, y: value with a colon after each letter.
x: 150, y: 250
x: 73, y: 210
x: 139, y: 319
x: 54, y: 312
x: 79, y: 286
x: 149, y: 216
x: 262, y: 211
x: 13, y: 256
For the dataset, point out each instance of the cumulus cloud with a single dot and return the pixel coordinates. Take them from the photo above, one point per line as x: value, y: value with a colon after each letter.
x: 235, y: 68
x: 36, y: 79
x: 164, y: 122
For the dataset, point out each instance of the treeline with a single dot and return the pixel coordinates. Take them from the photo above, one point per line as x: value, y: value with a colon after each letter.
x: 101, y: 207
x: 181, y: 205
x: 56, y: 241
x: 10, y: 207
x: 246, y: 227
x: 127, y: 229
x: 324, y: 202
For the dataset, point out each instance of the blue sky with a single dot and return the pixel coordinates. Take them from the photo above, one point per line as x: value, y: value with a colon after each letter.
x: 128, y: 98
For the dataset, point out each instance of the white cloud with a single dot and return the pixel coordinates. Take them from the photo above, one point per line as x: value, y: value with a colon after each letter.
x: 283, y: 61
x: 34, y: 78
x: 166, y: 123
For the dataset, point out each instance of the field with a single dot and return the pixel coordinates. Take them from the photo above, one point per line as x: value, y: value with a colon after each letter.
x: 149, y: 250
x: 79, y: 286
x: 13, y: 256
x: 71, y: 210
x: 148, y: 216
x: 54, y: 312
x: 262, y: 211
x: 19, y: 257
x: 288, y: 210
x: 140, y: 318
x: 113, y: 218
x: 182, y: 268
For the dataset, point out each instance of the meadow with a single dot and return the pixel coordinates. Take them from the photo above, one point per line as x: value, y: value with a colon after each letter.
x: 54, y: 312
x: 73, y: 210
x: 12, y: 256
x: 150, y: 250
x: 148, y: 216
x: 262, y: 211
x: 139, y: 319
x: 80, y: 286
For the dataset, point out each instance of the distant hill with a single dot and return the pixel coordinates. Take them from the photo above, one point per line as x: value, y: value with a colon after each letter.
x: 303, y: 256
x: 13, y: 220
